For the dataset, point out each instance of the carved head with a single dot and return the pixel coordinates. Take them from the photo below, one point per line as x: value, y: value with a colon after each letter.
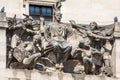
x: 28, y: 20
x: 36, y: 38
x: 58, y: 16
x: 93, y: 25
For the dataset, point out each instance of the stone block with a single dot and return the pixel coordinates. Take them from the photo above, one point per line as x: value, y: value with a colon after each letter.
x: 116, y: 52
x: 3, y: 22
x: 116, y: 58
x: 2, y: 48
x: 94, y: 77
x: 17, y: 74
x: 3, y: 26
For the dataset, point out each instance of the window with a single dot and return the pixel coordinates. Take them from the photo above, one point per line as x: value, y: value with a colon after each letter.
x: 41, y: 11
x: 46, y: 11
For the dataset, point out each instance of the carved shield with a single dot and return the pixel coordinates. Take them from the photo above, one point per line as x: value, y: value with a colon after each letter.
x: 20, y: 54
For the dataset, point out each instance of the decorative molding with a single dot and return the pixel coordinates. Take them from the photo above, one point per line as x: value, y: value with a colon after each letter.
x: 117, y: 30
x: 52, y: 1
x: 3, y: 22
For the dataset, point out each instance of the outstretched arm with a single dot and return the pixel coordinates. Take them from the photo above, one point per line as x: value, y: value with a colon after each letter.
x: 90, y: 33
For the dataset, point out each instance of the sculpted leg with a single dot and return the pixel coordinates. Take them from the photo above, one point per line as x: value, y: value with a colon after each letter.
x: 28, y: 60
x: 87, y: 65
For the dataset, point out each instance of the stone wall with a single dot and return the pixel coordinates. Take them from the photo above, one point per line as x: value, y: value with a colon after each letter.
x: 19, y: 7
x: 37, y: 75
x: 85, y: 11
x: 3, y: 26
x: 82, y: 11
x: 13, y: 7
x: 96, y: 11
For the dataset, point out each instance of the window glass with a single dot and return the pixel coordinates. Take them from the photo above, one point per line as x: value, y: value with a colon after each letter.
x: 37, y: 11
x: 31, y: 10
x: 46, y: 11
x: 49, y: 11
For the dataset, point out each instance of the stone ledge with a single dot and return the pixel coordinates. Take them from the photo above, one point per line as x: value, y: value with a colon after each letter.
x: 45, y: 0
x: 3, y: 24
x: 19, y: 74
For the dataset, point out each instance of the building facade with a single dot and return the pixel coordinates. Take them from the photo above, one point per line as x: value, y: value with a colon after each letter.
x: 34, y: 8
x: 82, y: 11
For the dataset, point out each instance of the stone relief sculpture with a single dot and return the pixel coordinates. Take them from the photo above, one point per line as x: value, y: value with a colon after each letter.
x: 94, y: 47
x: 67, y: 47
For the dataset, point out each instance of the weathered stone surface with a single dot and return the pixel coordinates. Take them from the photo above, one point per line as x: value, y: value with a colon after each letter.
x: 102, y: 11
x: 7, y: 74
x: 117, y: 30
x: 88, y: 77
x: 3, y: 25
x: 116, y: 52
x: 116, y: 59
x: 2, y: 48
x: 87, y: 60
x: 3, y: 22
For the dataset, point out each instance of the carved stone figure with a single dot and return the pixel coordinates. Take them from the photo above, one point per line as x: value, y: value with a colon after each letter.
x: 95, y: 38
x: 67, y: 47
x: 56, y: 8
x: 57, y: 39
x: 26, y: 53
x: 99, y: 42
x: 107, y: 57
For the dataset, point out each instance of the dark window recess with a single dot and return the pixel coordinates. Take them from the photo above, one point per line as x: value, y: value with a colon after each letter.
x: 46, y: 11
x: 41, y: 11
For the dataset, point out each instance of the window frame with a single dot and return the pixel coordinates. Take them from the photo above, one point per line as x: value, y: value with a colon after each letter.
x: 40, y: 11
